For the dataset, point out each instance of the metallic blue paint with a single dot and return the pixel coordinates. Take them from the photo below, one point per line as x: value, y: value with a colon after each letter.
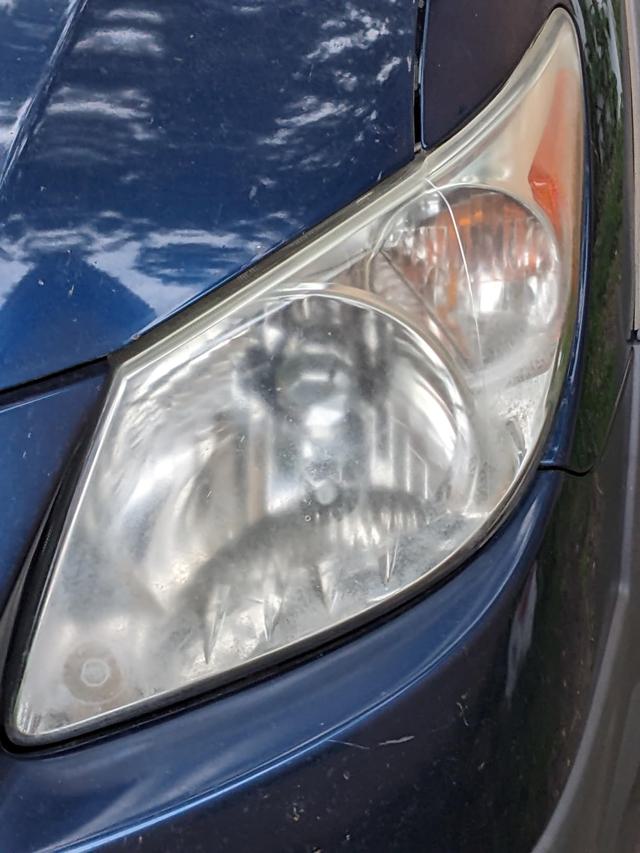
x: 31, y: 34
x: 171, y: 145
x: 38, y: 430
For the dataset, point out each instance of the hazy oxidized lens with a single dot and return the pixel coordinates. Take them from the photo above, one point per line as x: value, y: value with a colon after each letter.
x: 347, y: 426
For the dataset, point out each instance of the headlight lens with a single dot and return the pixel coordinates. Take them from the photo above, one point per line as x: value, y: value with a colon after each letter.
x: 332, y: 434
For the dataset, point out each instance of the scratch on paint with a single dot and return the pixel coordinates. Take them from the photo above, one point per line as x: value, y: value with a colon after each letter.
x: 348, y: 743
x: 395, y: 740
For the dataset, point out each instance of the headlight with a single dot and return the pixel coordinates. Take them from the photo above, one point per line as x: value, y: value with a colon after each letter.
x: 330, y: 436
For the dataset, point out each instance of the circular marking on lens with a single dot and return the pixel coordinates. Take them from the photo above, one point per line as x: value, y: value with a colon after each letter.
x: 92, y: 674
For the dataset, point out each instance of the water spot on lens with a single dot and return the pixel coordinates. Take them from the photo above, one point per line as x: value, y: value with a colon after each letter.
x: 326, y: 493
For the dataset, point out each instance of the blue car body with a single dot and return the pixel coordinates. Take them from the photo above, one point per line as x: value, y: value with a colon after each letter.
x: 150, y: 153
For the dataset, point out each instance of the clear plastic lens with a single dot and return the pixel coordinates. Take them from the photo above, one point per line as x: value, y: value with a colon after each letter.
x: 351, y: 423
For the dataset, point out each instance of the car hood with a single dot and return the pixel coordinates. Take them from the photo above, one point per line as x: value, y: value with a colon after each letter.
x: 150, y: 151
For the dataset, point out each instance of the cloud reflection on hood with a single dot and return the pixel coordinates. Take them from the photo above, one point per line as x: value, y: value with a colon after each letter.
x: 177, y: 146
